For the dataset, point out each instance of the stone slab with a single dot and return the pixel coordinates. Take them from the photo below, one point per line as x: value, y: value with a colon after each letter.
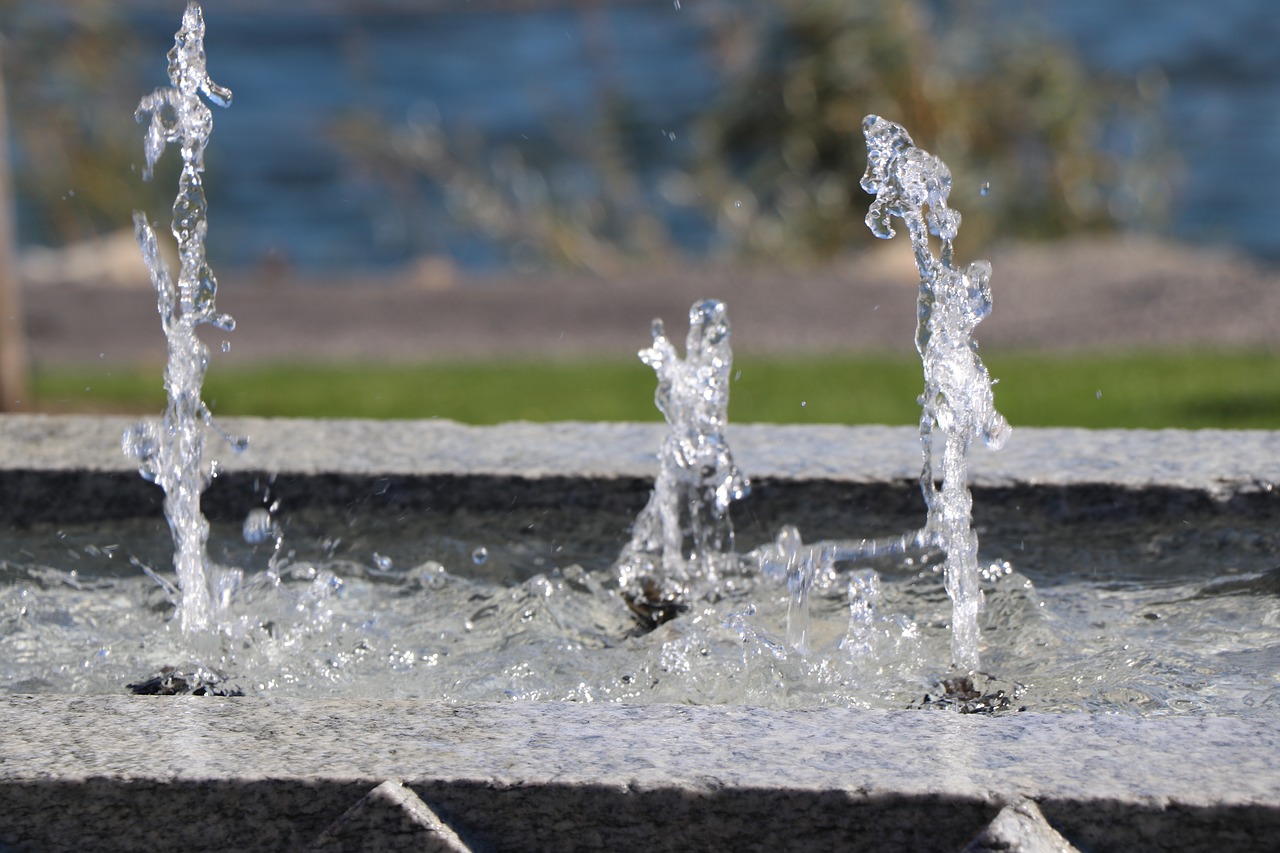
x: 134, y: 773
x: 1020, y: 828
x: 389, y: 818
x: 1210, y: 460
x: 540, y: 776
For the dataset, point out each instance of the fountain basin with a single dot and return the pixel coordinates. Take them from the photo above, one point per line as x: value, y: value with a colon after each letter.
x: 268, y: 773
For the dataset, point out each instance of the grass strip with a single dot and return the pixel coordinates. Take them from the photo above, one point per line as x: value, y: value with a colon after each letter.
x: 1152, y: 390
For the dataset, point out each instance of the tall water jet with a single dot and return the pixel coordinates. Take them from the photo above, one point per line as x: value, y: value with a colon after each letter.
x: 956, y: 404
x: 684, y: 532
x: 171, y: 453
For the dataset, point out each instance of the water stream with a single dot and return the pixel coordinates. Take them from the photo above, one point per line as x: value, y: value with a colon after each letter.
x: 956, y: 404
x: 171, y: 453
x: 682, y: 542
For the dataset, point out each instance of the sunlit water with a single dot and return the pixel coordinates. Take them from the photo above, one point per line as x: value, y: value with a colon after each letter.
x: 681, y: 535
x: 956, y: 403
x: 1143, y: 620
x: 368, y: 611
x: 171, y: 452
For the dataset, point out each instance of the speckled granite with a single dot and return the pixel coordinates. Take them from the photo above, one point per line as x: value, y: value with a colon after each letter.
x: 389, y: 818
x: 139, y: 773
x: 1020, y: 828
x: 542, y: 776
x: 1201, y: 459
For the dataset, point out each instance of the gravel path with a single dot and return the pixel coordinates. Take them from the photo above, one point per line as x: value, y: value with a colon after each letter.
x: 1074, y: 295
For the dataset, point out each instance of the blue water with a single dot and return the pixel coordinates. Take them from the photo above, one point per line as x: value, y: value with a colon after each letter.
x: 1222, y: 61
x: 280, y: 186
x: 278, y: 183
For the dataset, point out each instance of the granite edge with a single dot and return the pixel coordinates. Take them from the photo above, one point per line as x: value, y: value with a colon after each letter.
x: 1215, y: 461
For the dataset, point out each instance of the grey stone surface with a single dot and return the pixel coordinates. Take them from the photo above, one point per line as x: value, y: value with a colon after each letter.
x: 1019, y: 828
x: 141, y: 773
x: 1215, y: 461
x: 539, y: 776
x: 389, y: 818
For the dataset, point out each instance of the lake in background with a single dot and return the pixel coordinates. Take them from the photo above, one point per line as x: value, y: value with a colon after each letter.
x: 281, y: 187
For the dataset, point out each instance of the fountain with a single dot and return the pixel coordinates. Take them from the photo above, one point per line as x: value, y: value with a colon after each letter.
x: 1193, y: 769
x: 956, y: 402
x: 697, y: 478
x: 471, y: 566
x: 172, y: 453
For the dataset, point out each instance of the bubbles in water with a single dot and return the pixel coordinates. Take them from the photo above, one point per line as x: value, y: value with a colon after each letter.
x: 258, y: 526
x: 985, y: 188
x: 480, y: 556
x: 863, y: 596
x: 142, y: 442
x: 382, y: 561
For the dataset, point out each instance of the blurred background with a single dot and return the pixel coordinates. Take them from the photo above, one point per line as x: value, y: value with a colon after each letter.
x: 499, y: 195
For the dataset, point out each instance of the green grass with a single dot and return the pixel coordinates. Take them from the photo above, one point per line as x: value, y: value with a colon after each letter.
x: 1189, y: 390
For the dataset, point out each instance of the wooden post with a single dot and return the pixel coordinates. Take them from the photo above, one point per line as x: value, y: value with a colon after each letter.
x: 13, y: 343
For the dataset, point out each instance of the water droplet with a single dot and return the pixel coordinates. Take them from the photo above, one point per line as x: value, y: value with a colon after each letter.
x: 381, y: 561
x: 737, y: 203
x: 480, y: 556
x: 1099, y: 394
x: 226, y: 346
x: 258, y: 526
x: 985, y: 189
x: 676, y: 3
x: 803, y: 403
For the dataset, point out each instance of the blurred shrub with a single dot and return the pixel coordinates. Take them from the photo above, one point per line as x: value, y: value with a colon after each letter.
x: 773, y: 169
x: 72, y: 86
x: 572, y: 199
x: 1038, y: 146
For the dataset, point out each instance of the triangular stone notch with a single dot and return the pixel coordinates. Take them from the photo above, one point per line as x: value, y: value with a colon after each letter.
x: 1019, y: 828
x: 390, y: 817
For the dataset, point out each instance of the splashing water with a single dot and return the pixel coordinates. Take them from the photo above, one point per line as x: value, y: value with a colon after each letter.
x: 956, y: 404
x: 464, y: 612
x: 171, y: 453
x: 790, y: 560
x: 684, y: 533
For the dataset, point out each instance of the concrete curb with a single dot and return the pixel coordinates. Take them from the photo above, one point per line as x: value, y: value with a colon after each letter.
x: 1218, y: 461
x: 265, y: 774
